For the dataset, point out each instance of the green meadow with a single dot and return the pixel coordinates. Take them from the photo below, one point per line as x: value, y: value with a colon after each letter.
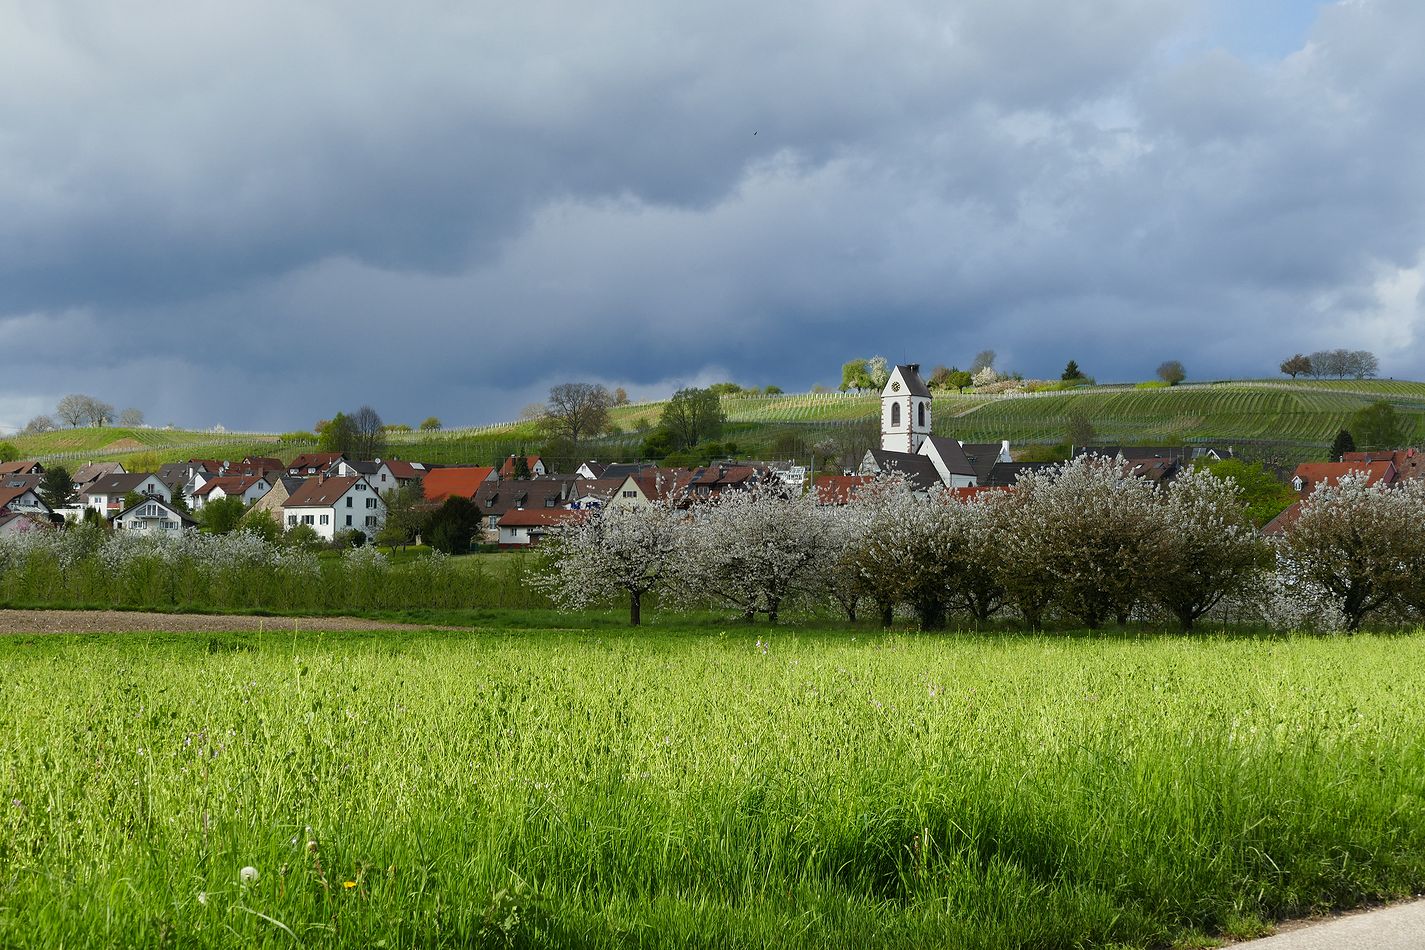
x: 699, y: 787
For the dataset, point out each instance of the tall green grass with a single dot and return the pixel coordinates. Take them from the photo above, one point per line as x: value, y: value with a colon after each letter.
x: 679, y: 790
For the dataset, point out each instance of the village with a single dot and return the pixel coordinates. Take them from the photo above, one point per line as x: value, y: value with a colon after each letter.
x: 342, y: 500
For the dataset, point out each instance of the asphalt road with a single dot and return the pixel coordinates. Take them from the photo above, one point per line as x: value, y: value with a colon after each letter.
x: 1401, y: 927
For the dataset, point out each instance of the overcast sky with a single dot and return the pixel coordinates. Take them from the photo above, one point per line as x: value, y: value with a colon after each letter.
x: 257, y: 214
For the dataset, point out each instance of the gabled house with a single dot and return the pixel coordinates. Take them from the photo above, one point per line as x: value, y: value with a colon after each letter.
x: 593, y: 493
x: 332, y: 503
x: 1005, y: 474
x: 153, y: 516
x: 21, y: 468
x: 247, y: 487
x: 591, y: 470
x: 441, y: 483
x: 22, y: 499
x: 90, y: 472
x: 918, y: 470
x: 377, y: 473
x: 1409, y: 463
x: 496, y: 498
x: 1182, y: 454
x: 652, y: 485
x: 839, y: 489
x: 534, y: 463
x: 106, y: 495
x: 314, y: 463
x: 951, y: 462
x: 406, y: 472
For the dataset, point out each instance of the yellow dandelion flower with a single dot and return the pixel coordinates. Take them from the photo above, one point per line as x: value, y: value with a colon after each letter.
x: 348, y: 884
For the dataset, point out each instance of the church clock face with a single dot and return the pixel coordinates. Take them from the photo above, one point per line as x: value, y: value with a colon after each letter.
x: 895, y: 387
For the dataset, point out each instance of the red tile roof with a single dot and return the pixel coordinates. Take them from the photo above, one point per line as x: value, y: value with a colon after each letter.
x: 321, y: 461
x: 230, y: 484
x: 1313, y: 474
x: 441, y: 483
x: 839, y: 489
x: 404, y: 471
x: 20, y: 468
x: 508, y: 469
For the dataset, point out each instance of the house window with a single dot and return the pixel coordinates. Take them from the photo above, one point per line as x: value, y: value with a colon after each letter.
x: 371, y: 503
x: 291, y: 519
x: 307, y: 519
x: 348, y: 521
x: 383, y: 478
x: 326, y: 519
x: 895, y: 413
x: 348, y: 502
x: 549, y: 502
x: 630, y: 494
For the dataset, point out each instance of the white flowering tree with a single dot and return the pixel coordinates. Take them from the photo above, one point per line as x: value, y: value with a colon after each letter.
x: 754, y: 550
x: 615, y: 551
x: 1360, y: 546
x: 1210, y: 548
x: 1086, y: 538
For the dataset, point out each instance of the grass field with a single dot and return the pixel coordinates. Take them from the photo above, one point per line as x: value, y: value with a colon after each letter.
x: 1299, y: 418
x: 692, y: 788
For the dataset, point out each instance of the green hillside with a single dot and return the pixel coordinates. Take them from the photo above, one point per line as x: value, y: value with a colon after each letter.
x: 1288, y: 419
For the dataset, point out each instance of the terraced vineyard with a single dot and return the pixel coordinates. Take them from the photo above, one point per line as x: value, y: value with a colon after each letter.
x: 1297, y: 419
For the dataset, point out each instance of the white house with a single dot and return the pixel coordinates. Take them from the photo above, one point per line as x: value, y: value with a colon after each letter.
x: 106, y: 494
x: 377, y: 473
x: 21, y: 498
x: 14, y: 523
x: 152, y: 516
x: 333, y: 503
x: 247, y: 487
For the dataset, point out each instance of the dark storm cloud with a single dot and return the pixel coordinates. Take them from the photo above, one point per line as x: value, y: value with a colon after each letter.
x: 255, y: 216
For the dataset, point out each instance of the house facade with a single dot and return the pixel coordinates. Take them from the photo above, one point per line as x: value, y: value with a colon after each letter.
x: 152, y: 516
x: 333, y: 503
x: 106, y: 495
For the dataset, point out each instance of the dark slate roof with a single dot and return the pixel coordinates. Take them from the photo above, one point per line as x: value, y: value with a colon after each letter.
x: 1178, y: 453
x: 982, y: 456
x: 120, y: 484
x: 1003, y: 474
x: 917, y: 470
x: 184, y: 519
x: 914, y: 385
x: 625, y: 469
x: 496, y: 498
x: 953, y: 455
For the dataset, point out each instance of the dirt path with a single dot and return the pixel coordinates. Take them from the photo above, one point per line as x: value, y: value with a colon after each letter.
x: 123, y: 621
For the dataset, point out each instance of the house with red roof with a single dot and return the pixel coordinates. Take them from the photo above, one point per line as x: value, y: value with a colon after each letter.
x: 247, y: 487
x: 535, y: 463
x: 522, y: 527
x: 442, y: 483
x: 332, y: 503
x: 1311, y: 475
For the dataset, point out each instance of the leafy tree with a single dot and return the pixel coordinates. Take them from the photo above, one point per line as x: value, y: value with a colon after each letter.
x: 133, y: 498
x: 223, y: 515
x: 1079, y: 429
x: 431, y: 424
x: 726, y: 389
x: 179, y: 501
x: 1171, y: 372
x: 692, y: 416
x: 338, y: 435
x: 960, y: 378
x: 1379, y: 426
x: 453, y: 525
x: 1343, y: 443
x: 303, y: 537
x: 772, y: 390
x: 131, y: 418
x: 1071, y: 372
x: 657, y: 444
x: 985, y: 359
x: 57, y: 488
x: 8, y: 452
x: 1262, y: 495
x: 1297, y: 365
x: 406, y: 516
x: 263, y: 523
x: 620, y: 396
x: 939, y: 378
x: 368, y: 434
x: 576, y: 411
x: 855, y: 375
x: 521, y: 466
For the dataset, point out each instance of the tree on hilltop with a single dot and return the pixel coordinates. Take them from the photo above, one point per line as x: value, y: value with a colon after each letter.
x: 1297, y: 365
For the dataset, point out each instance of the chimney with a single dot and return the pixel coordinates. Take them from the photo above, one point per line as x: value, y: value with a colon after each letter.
x: 914, y: 368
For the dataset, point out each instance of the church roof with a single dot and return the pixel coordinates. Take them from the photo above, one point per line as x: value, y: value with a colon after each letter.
x: 918, y: 470
x: 953, y: 455
x: 914, y: 385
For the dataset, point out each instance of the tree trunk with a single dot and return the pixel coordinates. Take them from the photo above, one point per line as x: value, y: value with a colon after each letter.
x: 888, y: 613
x: 850, y: 607
x: 635, y: 608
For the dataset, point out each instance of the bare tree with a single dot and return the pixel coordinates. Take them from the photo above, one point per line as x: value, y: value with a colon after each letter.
x: 131, y: 418
x: 39, y: 424
x: 368, y: 434
x: 73, y: 410
x: 576, y: 411
x: 1361, y: 364
x: 983, y: 359
x: 99, y: 412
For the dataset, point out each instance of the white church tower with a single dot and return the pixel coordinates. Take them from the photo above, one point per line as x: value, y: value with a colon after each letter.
x: 905, y: 410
